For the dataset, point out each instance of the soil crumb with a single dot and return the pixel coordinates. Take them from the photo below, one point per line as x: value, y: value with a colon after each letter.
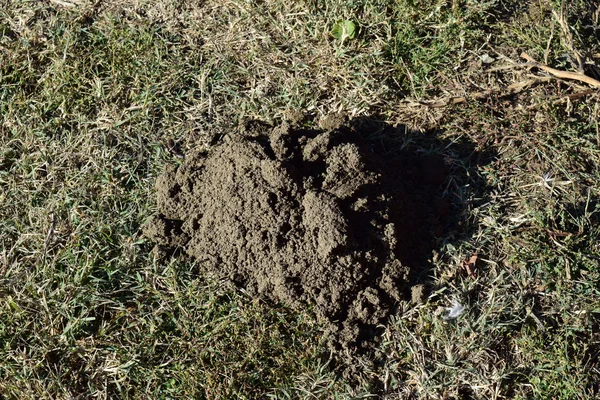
x: 309, y: 218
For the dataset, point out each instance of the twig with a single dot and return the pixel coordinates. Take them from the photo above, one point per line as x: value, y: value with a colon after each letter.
x: 510, y: 66
x: 503, y: 92
x: 575, y: 96
x: 516, y: 87
x: 576, y: 76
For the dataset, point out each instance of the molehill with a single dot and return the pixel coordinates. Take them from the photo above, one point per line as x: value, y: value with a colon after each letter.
x: 307, y: 218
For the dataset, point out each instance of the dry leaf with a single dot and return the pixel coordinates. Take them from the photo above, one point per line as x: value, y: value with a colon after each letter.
x: 470, y: 265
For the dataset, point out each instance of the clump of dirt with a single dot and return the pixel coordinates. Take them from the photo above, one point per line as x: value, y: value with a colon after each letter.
x: 307, y: 218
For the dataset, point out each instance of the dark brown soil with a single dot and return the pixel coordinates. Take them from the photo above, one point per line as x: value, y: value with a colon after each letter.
x: 306, y: 218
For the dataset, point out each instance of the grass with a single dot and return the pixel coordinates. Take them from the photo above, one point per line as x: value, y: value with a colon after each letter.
x: 90, y: 95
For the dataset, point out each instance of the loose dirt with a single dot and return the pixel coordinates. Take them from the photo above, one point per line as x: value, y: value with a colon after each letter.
x: 312, y: 219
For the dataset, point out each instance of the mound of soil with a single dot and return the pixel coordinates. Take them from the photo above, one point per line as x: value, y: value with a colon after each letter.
x: 307, y: 218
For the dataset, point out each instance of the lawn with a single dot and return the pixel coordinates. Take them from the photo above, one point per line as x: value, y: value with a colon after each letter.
x: 96, y: 97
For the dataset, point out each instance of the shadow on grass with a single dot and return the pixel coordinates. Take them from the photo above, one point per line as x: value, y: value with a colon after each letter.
x: 392, y: 223
x: 444, y: 174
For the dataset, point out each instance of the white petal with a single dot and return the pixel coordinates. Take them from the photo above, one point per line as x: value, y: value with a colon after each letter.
x: 455, y: 311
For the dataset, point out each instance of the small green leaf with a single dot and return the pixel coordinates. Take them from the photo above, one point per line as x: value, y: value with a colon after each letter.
x: 343, y: 30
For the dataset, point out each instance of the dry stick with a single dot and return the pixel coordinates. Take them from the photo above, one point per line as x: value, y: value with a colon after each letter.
x: 515, y: 87
x: 574, y: 96
x: 511, y: 89
x: 576, y: 76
